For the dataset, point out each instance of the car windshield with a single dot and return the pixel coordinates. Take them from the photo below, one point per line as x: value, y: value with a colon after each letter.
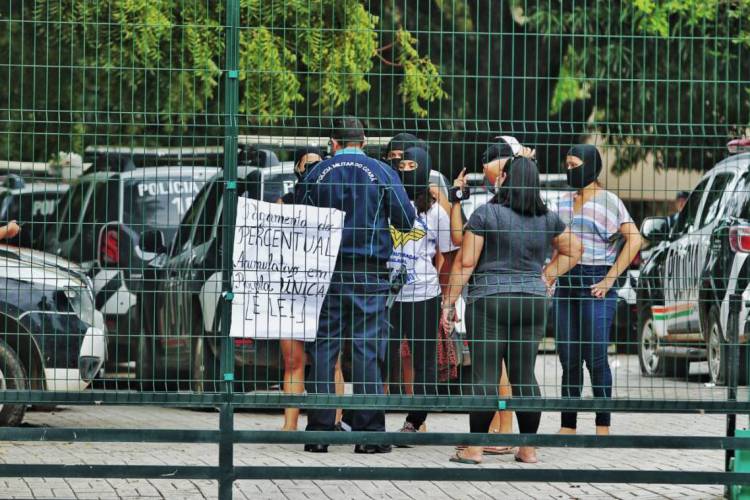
x: 159, y: 203
x: 277, y: 185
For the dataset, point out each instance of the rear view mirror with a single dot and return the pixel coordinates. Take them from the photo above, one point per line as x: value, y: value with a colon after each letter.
x: 655, y: 229
x: 153, y: 241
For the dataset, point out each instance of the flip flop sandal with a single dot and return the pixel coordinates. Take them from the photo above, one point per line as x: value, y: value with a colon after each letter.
x: 457, y: 458
x: 491, y: 450
x: 498, y: 450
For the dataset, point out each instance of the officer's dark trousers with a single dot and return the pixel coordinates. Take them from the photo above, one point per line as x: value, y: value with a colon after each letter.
x: 355, y: 308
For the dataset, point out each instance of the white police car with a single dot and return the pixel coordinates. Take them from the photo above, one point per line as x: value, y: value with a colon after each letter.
x: 697, y: 263
x: 51, y: 336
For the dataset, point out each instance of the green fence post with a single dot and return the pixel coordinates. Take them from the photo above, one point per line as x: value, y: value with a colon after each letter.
x: 732, y: 366
x: 231, y: 105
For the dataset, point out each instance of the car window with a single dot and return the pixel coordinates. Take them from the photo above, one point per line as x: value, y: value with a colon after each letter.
x: 260, y: 185
x: 687, y: 217
x: 187, y: 224
x: 205, y: 225
x: 714, y: 198
x: 37, y: 206
x: 159, y: 203
x: 70, y: 214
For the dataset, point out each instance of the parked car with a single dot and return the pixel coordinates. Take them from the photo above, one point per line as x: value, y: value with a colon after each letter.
x: 696, y: 264
x: 98, y: 222
x: 31, y: 205
x: 181, y: 311
x: 52, y: 337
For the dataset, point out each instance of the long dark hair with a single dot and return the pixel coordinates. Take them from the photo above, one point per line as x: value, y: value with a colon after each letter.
x: 521, y: 192
x: 424, y: 202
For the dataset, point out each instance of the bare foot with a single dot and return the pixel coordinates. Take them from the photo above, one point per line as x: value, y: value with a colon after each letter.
x: 288, y: 429
x: 471, y: 452
x: 567, y: 431
x: 527, y: 455
x: 602, y: 430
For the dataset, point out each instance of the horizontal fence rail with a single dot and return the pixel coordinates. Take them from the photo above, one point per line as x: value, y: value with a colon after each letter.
x: 213, y: 205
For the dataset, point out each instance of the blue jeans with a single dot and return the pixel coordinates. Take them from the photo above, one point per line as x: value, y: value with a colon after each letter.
x: 355, y: 308
x: 583, y: 324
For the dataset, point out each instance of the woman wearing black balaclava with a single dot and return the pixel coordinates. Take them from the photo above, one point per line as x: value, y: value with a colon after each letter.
x: 585, y: 299
x: 399, y: 143
x: 415, y: 315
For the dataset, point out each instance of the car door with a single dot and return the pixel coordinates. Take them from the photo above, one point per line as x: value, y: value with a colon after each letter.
x: 679, y: 311
x: 700, y: 242
x: 69, y: 217
x: 193, y: 273
x: 169, y: 311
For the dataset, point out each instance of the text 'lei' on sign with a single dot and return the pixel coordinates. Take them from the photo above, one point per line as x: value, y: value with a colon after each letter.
x: 284, y: 257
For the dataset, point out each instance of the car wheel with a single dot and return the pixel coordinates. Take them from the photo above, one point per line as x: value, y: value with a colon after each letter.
x: 649, y: 357
x: 12, y: 377
x: 716, y: 352
x: 715, y: 347
x: 204, y: 367
x: 144, y: 367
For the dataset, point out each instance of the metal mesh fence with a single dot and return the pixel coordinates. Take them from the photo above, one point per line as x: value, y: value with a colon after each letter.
x: 565, y: 230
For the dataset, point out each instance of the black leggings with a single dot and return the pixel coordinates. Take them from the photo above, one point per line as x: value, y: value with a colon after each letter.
x: 509, y: 328
x: 418, y: 323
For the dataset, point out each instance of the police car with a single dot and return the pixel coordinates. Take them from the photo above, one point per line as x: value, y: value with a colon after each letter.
x: 98, y: 222
x: 697, y: 263
x: 29, y: 204
x: 51, y: 337
x: 181, y: 311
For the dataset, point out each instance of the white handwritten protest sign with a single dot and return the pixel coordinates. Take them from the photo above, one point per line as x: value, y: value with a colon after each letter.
x: 284, y: 257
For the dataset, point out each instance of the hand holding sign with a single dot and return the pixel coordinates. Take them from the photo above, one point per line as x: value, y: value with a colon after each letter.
x: 284, y: 257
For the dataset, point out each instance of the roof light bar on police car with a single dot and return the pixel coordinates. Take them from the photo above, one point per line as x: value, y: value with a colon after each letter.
x: 298, y: 141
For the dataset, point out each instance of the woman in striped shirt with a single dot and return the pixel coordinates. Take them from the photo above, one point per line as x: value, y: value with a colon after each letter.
x: 586, y: 300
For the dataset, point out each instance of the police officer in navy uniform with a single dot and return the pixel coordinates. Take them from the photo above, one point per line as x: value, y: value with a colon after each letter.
x: 373, y: 198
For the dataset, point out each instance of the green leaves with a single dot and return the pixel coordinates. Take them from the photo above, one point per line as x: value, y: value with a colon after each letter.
x: 665, y: 77
x: 162, y: 59
x: 269, y: 85
x: 421, y: 79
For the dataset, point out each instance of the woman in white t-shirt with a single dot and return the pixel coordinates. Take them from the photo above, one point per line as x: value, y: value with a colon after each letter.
x: 415, y: 315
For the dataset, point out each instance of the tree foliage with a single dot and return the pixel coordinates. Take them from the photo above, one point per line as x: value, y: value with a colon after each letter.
x: 148, y: 70
x: 666, y: 77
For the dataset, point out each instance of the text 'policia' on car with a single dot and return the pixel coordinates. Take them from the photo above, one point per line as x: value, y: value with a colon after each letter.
x: 98, y: 222
x: 30, y: 205
x: 52, y: 336
x: 699, y: 259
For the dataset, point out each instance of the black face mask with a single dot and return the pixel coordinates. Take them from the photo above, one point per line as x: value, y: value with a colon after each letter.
x: 416, y: 181
x: 308, y: 166
x: 394, y: 163
x: 589, y: 170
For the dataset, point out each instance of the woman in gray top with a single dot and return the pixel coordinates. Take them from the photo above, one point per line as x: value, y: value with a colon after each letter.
x: 503, y: 252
